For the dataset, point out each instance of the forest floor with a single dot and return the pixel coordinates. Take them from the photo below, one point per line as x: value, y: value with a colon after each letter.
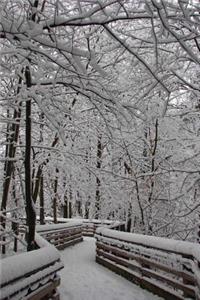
x: 84, y: 279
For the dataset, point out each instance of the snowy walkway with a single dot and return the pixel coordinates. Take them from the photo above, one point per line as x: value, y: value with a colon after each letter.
x: 84, y: 279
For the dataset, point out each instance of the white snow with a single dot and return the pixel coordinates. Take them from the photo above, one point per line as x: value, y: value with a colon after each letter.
x: 84, y: 279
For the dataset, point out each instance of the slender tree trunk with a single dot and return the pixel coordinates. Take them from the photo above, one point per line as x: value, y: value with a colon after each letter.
x: 70, y: 201
x: 14, y: 214
x: 152, y: 184
x: 87, y: 209
x: 66, y: 204
x: 98, y: 182
x: 42, y: 200
x: 129, y: 218
x: 37, y: 180
x: 65, y: 209
x: 30, y: 211
x: 70, y: 209
x: 55, y: 198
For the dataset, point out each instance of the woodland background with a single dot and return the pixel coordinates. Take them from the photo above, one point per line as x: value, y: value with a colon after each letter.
x: 99, y: 113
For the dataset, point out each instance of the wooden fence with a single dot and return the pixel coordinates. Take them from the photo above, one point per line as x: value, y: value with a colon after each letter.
x: 168, y: 268
x: 61, y: 235
x: 33, y: 275
x: 90, y: 226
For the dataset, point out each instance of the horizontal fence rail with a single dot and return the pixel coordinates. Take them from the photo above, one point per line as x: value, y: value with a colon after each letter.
x: 168, y: 268
x: 31, y: 275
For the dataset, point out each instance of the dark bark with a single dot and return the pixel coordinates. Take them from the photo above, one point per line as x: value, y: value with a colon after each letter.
x: 42, y: 200
x: 37, y: 180
x: 129, y: 219
x: 70, y: 201
x: 55, y: 198
x: 98, y: 181
x: 65, y: 205
x: 65, y: 209
x: 87, y: 209
x: 152, y: 171
x: 15, y: 228
x: 70, y: 210
x: 30, y: 212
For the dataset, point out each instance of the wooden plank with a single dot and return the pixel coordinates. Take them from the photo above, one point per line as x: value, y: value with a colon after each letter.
x: 55, y: 235
x: 189, y: 256
x: 70, y: 243
x: 149, y: 273
x: 66, y: 239
x: 88, y: 234
x: 120, y: 261
x: 154, y: 287
x: 43, y: 291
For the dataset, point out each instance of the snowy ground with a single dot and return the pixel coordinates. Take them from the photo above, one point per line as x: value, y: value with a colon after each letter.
x: 84, y: 279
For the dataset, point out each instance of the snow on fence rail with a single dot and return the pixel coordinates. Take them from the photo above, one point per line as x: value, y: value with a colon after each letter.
x: 166, y: 267
x: 31, y: 275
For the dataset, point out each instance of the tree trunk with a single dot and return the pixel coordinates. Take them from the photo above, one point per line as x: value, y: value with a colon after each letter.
x: 70, y: 210
x: 30, y: 211
x: 55, y: 200
x: 87, y: 209
x: 42, y: 200
x: 98, y: 182
x: 14, y: 214
x: 65, y: 209
x: 129, y: 218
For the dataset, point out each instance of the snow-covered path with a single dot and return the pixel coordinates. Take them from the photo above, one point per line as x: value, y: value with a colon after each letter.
x: 84, y: 279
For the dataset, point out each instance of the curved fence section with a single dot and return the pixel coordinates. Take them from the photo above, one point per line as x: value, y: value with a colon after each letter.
x: 31, y: 275
x: 166, y: 267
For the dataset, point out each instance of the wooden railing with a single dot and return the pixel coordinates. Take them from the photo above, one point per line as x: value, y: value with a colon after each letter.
x: 168, y: 268
x: 31, y: 275
x: 62, y: 235
x: 89, y: 226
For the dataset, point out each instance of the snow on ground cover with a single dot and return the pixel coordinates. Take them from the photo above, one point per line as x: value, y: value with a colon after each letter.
x: 84, y: 279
